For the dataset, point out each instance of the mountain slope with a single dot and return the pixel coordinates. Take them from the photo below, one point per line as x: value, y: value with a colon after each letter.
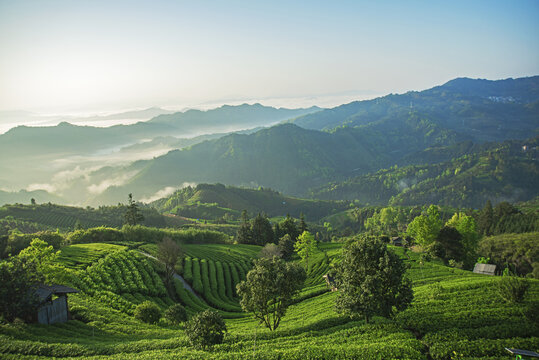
x: 498, y: 172
x: 285, y: 157
x: 219, y: 197
x: 484, y: 110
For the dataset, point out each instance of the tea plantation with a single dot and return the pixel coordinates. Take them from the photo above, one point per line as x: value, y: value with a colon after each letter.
x: 455, y: 314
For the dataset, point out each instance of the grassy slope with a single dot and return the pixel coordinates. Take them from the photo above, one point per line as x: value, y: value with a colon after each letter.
x: 464, y: 315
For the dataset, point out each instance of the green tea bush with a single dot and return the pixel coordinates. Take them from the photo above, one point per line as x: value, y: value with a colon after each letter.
x: 176, y: 314
x: 148, y: 312
x: 513, y: 289
x: 205, y: 329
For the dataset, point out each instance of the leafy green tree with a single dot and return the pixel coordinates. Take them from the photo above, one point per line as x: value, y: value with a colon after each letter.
x: 148, y: 312
x: 306, y: 246
x: 288, y: 226
x: 286, y: 246
x: 466, y: 226
x: 17, y: 298
x: 261, y: 230
x: 176, y: 314
x: 371, y: 280
x: 205, y: 329
x: 41, y: 258
x: 168, y: 252
x: 244, y: 234
x: 269, y: 288
x: 425, y: 228
x: 133, y: 216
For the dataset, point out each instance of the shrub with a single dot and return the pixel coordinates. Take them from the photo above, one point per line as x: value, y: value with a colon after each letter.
x: 512, y: 288
x: 148, y: 312
x: 206, y: 328
x: 176, y: 314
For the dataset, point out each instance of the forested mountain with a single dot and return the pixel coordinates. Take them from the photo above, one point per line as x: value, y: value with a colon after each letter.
x: 496, y: 172
x: 217, y: 200
x: 285, y: 157
x: 36, y: 154
x: 483, y: 110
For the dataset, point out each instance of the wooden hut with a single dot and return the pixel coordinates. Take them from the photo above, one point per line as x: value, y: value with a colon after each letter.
x: 53, y: 303
x: 486, y: 269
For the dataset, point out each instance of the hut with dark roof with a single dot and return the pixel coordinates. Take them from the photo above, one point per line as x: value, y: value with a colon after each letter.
x: 53, y: 303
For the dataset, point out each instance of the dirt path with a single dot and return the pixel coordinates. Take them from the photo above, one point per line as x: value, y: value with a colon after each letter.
x: 176, y: 275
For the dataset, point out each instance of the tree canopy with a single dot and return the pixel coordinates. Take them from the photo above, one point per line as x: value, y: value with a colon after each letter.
x: 371, y: 280
x: 269, y: 288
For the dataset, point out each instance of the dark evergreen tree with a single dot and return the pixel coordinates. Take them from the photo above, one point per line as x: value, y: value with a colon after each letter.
x: 451, y: 241
x: 244, y: 234
x: 288, y: 226
x: 286, y: 245
x: 261, y: 231
x: 302, y: 224
x: 485, y: 221
x: 133, y: 216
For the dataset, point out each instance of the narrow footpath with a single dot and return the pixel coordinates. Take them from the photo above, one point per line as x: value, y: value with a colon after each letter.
x: 176, y: 275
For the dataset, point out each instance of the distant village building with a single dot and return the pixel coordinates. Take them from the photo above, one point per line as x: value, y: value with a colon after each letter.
x: 486, y: 269
x: 330, y: 282
x: 51, y: 310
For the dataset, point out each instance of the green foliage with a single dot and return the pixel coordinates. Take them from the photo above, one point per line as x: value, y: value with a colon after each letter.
x: 168, y: 252
x: 286, y: 246
x: 205, y: 329
x: 132, y: 215
x: 306, y: 246
x: 16, y: 241
x: 147, y: 312
x: 18, y: 279
x: 425, y: 228
x: 371, y: 281
x: 269, y: 288
x: 521, y: 251
x: 512, y: 288
x: 176, y: 314
x: 41, y: 257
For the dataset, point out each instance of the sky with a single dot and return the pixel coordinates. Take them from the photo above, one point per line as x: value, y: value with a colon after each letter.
x: 82, y: 57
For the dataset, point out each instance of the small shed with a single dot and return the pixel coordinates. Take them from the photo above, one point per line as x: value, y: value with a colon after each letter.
x: 486, y: 269
x: 330, y: 282
x: 397, y: 241
x: 51, y: 310
x: 523, y: 354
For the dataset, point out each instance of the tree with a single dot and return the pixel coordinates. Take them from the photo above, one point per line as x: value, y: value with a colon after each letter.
x: 425, y: 228
x: 450, y: 241
x: 168, y: 252
x: 286, y: 246
x: 371, y: 281
x: 40, y: 257
x: 302, y: 224
x: 269, y: 288
x: 17, y: 298
x: 261, y: 230
x: 244, y: 234
x: 205, y: 328
x: 32, y: 201
x: 148, y: 312
x: 288, y: 226
x: 486, y: 219
x: 133, y: 216
x: 305, y: 247
x: 270, y: 250
x: 465, y: 225
x: 176, y: 314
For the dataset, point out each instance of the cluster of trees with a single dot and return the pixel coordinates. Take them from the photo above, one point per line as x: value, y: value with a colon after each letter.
x: 455, y: 240
x: 259, y: 231
x: 505, y: 218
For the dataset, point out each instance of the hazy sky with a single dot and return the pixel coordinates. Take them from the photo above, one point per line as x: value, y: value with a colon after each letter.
x: 76, y: 56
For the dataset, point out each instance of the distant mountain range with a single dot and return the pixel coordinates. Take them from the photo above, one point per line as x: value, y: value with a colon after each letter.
x: 36, y: 154
x: 348, y: 144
